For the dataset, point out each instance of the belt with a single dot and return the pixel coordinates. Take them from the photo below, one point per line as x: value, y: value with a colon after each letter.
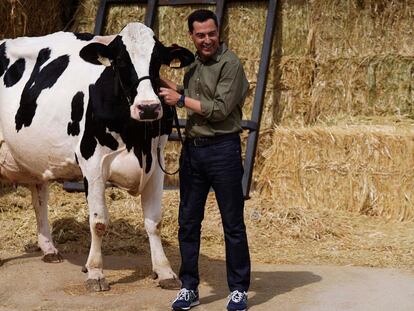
x: 204, y: 141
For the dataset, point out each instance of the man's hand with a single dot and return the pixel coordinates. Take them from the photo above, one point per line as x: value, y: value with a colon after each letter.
x: 170, y: 96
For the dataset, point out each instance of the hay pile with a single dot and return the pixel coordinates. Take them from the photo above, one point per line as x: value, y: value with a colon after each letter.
x: 34, y: 18
x: 277, y: 234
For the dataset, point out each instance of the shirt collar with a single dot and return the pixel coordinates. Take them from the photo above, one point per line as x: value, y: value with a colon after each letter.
x: 217, y: 56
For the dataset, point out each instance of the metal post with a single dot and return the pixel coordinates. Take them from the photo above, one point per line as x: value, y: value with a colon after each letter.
x: 259, y: 96
x: 220, y: 6
x: 150, y: 13
x: 100, y: 16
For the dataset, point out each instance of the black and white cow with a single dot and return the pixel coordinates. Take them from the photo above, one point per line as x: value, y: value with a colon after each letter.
x: 75, y: 105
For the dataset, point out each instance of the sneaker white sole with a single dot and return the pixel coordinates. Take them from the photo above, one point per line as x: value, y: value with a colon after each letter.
x: 193, y: 304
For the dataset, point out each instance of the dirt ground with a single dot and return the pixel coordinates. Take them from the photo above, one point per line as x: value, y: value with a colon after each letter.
x: 27, y: 283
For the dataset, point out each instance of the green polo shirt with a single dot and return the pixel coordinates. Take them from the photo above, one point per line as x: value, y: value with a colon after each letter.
x: 221, y: 86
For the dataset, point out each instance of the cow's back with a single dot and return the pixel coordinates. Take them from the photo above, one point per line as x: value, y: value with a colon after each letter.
x: 44, y: 82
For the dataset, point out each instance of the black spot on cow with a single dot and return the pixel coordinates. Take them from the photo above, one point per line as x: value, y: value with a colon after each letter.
x: 76, y: 159
x: 84, y: 36
x: 76, y: 114
x: 4, y: 61
x: 95, y: 131
x: 88, y: 142
x: 86, y: 186
x: 138, y: 136
x: 38, y: 81
x: 15, y: 72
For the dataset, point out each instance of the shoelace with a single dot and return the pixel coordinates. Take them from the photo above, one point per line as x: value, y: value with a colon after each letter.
x: 236, y: 296
x: 184, y: 294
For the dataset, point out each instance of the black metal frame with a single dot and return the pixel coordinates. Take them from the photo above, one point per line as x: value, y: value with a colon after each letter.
x: 252, y: 125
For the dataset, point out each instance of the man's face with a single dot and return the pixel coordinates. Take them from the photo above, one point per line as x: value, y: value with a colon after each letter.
x: 205, y: 36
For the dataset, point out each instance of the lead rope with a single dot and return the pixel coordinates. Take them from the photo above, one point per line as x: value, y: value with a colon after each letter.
x: 177, y: 125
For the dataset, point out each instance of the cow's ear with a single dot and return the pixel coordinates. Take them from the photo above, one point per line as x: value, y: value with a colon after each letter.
x: 176, y: 56
x: 97, y: 53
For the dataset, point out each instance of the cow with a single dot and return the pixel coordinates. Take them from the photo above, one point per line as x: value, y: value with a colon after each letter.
x: 76, y: 106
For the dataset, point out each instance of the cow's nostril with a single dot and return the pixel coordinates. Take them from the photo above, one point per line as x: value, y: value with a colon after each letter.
x: 149, y: 111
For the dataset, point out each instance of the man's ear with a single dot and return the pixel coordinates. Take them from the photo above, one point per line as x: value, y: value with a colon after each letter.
x: 97, y: 53
x: 176, y: 56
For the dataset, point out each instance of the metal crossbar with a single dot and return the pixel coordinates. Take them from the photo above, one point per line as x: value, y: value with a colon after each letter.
x: 252, y: 125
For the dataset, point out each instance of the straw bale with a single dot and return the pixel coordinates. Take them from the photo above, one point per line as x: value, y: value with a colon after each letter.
x: 33, y: 18
x: 314, y: 92
x: 355, y: 28
x: 84, y: 20
x: 294, y: 23
x: 364, y: 169
x: 378, y: 85
x: 362, y: 56
x: 294, y: 91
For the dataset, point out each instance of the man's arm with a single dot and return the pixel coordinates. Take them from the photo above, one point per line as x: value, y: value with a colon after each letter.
x: 231, y: 91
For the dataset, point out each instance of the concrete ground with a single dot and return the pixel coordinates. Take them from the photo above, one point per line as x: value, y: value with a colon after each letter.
x: 26, y: 283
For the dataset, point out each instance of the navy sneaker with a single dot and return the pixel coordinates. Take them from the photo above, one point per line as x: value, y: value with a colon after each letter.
x: 237, y: 301
x: 186, y: 299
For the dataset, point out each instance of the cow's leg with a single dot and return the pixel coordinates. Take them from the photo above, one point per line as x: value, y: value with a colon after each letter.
x: 98, y: 222
x: 40, y: 195
x: 151, y: 205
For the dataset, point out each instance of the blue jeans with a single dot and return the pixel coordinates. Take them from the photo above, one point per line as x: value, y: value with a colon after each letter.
x: 217, y: 165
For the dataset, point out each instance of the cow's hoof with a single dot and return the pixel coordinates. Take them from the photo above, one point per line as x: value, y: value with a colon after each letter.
x: 52, y: 258
x: 170, y: 283
x: 97, y: 285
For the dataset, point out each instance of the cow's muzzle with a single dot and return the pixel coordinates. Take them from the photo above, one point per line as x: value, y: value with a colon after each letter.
x: 146, y: 112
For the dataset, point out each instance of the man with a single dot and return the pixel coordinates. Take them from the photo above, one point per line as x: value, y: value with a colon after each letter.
x: 214, y: 90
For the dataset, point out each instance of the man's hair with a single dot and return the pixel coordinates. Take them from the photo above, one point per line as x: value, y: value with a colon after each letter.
x: 201, y: 16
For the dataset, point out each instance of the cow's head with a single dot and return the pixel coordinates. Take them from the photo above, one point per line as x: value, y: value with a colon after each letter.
x: 135, y: 56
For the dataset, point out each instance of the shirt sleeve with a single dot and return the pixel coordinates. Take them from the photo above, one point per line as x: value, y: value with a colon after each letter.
x: 230, y: 91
